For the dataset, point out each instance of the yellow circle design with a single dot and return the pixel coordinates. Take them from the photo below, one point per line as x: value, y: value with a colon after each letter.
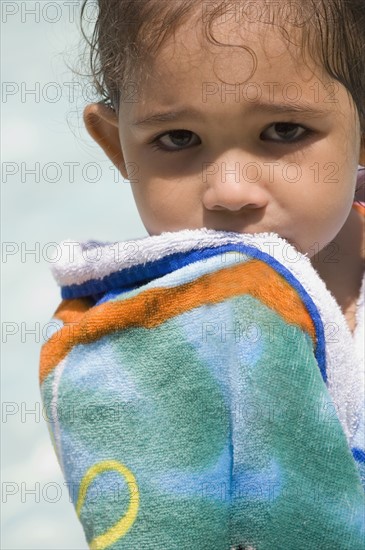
x: 120, y: 528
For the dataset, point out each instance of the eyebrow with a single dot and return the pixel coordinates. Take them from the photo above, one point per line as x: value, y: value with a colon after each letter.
x: 305, y: 109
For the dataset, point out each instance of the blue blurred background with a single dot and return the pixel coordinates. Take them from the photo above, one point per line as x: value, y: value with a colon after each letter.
x: 42, y: 103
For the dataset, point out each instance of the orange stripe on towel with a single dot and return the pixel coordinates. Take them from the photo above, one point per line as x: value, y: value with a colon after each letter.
x: 152, y: 307
x: 71, y: 311
x: 360, y: 207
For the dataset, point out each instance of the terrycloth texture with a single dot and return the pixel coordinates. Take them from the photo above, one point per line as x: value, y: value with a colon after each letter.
x: 203, y: 393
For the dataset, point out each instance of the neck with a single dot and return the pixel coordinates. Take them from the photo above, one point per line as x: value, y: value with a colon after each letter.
x: 341, y: 264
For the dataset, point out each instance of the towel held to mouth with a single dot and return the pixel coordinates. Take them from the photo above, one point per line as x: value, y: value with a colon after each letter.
x: 203, y: 391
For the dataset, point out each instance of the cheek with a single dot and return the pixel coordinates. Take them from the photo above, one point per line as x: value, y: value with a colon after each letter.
x: 144, y: 199
x: 320, y: 187
x: 326, y: 223
x: 163, y: 197
x: 316, y: 207
x: 155, y: 206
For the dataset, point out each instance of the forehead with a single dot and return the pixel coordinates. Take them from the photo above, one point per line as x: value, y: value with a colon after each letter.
x: 245, y: 52
x: 255, y: 57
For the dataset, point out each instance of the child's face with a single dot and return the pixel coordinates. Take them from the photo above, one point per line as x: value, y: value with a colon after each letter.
x: 234, y: 167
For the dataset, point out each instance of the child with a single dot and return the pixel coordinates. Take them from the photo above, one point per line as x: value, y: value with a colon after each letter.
x: 227, y: 164
x: 237, y: 117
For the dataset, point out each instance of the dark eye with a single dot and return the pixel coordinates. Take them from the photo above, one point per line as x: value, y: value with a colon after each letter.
x: 288, y: 131
x: 178, y: 138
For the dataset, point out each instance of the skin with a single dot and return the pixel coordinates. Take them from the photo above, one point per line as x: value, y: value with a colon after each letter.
x: 280, y: 190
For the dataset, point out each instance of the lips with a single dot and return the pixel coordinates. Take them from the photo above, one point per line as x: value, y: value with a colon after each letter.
x: 258, y: 230
x: 244, y: 230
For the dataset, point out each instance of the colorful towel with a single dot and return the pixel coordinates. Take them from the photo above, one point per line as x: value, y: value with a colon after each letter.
x: 202, y: 393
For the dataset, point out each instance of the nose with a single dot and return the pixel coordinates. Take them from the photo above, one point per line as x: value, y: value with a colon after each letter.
x: 234, y: 185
